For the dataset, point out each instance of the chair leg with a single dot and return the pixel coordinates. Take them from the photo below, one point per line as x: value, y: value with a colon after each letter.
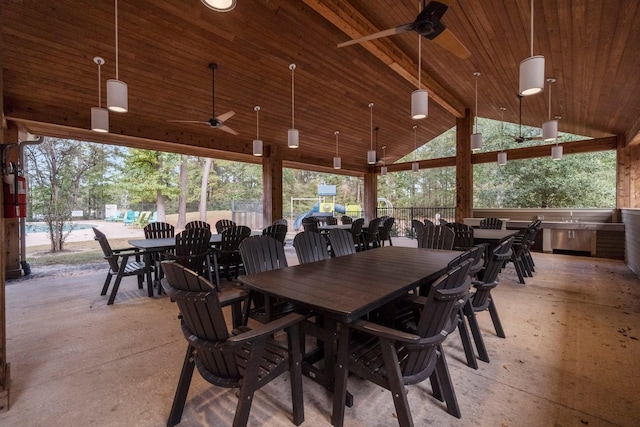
x: 493, y: 311
x: 249, y: 385
x: 396, y: 385
x: 114, y: 290
x: 442, y: 372
x: 183, y: 388
x: 466, y: 341
x: 470, y: 314
x: 107, y: 281
x: 518, y: 266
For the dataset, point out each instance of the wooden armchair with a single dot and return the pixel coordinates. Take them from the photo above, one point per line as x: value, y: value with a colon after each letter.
x: 310, y: 247
x: 277, y: 231
x: 197, y: 224
x: 345, y: 219
x: 392, y: 358
x: 385, y: 231
x: 243, y: 358
x: 463, y: 240
x: 371, y: 236
x: 418, y: 228
x: 437, y: 237
x: 222, y: 224
x: 356, y: 232
x: 227, y: 254
x: 491, y: 223
x: 310, y: 224
x: 122, y: 263
x: 341, y: 242
x: 193, y: 251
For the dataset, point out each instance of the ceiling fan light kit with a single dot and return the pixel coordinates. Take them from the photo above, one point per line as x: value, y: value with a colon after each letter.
x: 550, y: 127
x: 99, y: 115
x: 117, y: 90
x: 476, y: 137
x: 337, y: 161
x: 531, y: 70
x: 257, y: 143
x: 220, y: 5
x: 293, y: 136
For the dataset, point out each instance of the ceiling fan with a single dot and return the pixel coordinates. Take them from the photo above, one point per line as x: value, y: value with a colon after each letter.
x: 427, y: 24
x: 214, y: 122
x: 380, y: 160
x: 520, y: 138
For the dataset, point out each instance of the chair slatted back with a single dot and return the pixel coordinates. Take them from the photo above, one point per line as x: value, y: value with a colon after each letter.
x: 262, y: 253
x: 332, y: 220
x: 193, y: 248
x: 197, y: 224
x: 310, y: 247
x: 106, y: 250
x: 310, y: 224
x: 443, y: 301
x: 341, y: 242
x: 281, y: 221
x: 222, y: 224
x: 159, y: 230
x: 437, y: 237
x: 428, y: 223
x: 232, y: 236
x: 345, y: 219
x: 463, y: 236
x: 202, y: 317
x: 418, y: 227
x: 491, y: 223
x: 387, y: 225
x: 356, y: 229
x: 277, y: 231
x: 372, y: 234
x: 497, y: 258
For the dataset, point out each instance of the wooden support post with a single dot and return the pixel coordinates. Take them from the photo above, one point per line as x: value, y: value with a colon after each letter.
x: 464, y: 169
x: 272, y: 185
x: 370, y: 194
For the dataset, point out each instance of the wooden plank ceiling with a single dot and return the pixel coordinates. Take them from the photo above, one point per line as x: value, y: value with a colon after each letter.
x: 50, y: 80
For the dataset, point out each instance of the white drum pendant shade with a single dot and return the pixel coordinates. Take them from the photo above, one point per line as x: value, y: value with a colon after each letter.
x: 371, y: 157
x: 502, y: 158
x: 117, y: 99
x: 99, y: 119
x: 220, y: 5
x: 419, y: 104
x: 293, y: 138
x: 532, y: 75
x: 383, y: 170
x: 257, y: 147
x: 337, y: 162
x: 476, y: 141
x: 550, y: 130
x: 556, y: 152
x: 415, y: 167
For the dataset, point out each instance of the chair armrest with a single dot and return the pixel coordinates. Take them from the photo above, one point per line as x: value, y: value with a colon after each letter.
x: 415, y: 301
x: 384, y: 332
x: 126, y: 251
x: 230, y: 296
x: 267, y: 329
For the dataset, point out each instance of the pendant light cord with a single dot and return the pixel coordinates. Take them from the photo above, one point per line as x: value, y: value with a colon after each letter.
x: 419, y: 55
x: 475, y: 125
x: 549, y: 80
x: 292, y: 67
x: 99, y: 91
x: 371, y: 109
x: 257, y: 108
x: 531, y: 28
x: 116, y: 3
x: 415, y: 142
x: 336, y: 134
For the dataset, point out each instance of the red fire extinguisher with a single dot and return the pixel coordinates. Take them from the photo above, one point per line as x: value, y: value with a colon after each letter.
x: 15, y: 194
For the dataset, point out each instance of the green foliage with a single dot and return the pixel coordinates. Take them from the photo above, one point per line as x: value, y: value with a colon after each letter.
x: 146, y: 173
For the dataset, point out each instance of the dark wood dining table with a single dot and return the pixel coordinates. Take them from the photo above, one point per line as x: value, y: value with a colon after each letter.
x: 343, y: 289
x: 491, y: 237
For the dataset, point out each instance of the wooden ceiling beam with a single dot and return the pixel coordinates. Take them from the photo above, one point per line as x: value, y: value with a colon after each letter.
x: 346, y: 18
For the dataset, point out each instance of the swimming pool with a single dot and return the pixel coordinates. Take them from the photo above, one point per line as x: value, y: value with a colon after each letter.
x: 41, y: 227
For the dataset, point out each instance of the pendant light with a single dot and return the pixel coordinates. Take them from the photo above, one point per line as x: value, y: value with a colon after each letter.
x: 556, y: 151
x: 531, y: 70
x: 383, y: 169
x: 415, y: 167
x: 99, y: 115
x: 293, y: 135
x: 220, y: 5
x: 502, y: 155
x: 550, y: 127
x: 476, y: 137
x: 117, y: 98
x: 257, y: 143
x: 337, y: 161
x: 419, y: 97
x: 371, y: 154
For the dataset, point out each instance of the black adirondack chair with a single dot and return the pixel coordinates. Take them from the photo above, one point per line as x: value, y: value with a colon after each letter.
x: 310, y: 224
x: 331, y: 220
x: 392, y: 358
x: 158, y: 230
x: 356, y: 232
x: 228, y: 256
x: 463, y: 240
x: 491, y: 223
x: 437, y: 237
x: 193, y: 251
x: 281, y: 221
x: 418, y: 228
x: 263, y: 253
x: 428, y: 222
x: 521, y: 245
x: 197, y: 224
x: 122, y: 263
x: 371, y: 236
x: 385, y: 231
x: 243, y: 358
x: 345, y: 219
x: 221, y: 224
x: 277, y: 231
x: 482, y: 300
x: 341, y: 242
x: 310, y: 247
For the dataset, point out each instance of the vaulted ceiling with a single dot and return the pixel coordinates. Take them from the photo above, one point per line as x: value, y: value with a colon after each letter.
x: 50, y: 81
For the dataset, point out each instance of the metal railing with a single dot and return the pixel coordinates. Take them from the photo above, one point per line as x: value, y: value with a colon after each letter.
x: 402, y: 226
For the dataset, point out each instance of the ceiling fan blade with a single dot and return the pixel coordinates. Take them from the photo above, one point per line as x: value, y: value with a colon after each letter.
x: 397, y: 30
x: 434, y: 10
x: 449, y: 41
x: 227, y: 129
x: 189, y: 121
x: 226, y: 116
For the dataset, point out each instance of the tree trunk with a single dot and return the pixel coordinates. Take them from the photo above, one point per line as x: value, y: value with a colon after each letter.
x: 202, y: 208
x: 161, y: 213
x: 182, y: 198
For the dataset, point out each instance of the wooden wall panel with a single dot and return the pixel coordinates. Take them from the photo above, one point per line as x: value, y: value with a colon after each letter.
x: 631, y: 219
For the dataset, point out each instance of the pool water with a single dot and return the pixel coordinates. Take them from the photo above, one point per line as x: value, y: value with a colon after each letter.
x: 43, y: 228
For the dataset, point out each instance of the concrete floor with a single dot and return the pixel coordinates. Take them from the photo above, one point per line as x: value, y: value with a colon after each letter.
x: 571, y: 358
